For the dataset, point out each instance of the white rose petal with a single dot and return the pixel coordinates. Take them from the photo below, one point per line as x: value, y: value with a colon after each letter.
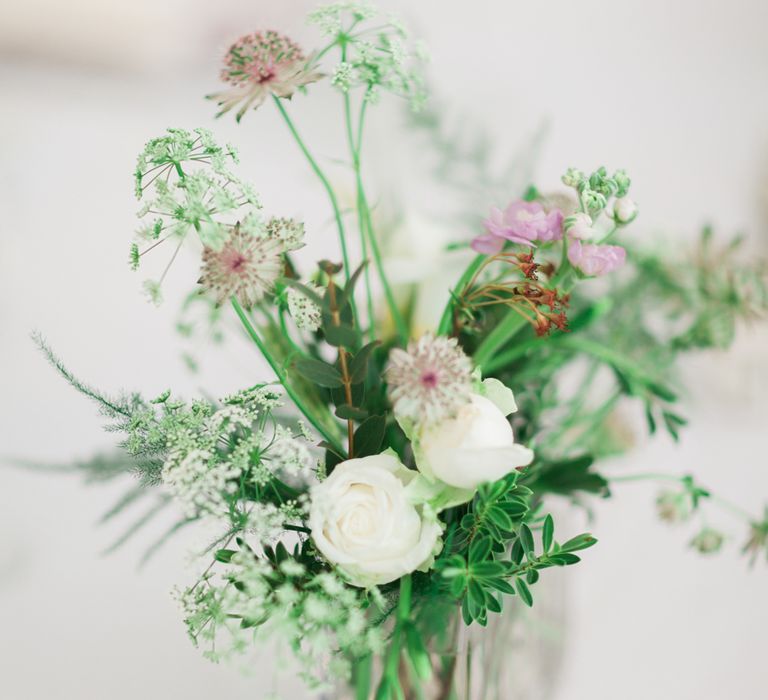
x: 475, y: 446
x: 363, y: 521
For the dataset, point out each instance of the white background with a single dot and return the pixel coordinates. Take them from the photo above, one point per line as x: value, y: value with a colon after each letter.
x: 675, y: 92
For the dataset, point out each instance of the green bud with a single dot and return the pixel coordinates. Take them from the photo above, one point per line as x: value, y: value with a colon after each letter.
x: 573, y: 178
x: 594, y: 201
x: 597, y: 177
x: 622, y: 181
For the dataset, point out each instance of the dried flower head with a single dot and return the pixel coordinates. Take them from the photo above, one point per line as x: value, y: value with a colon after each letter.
x: 246, y: 266
x: 673, y: 507
x: 707, y: 541
x: 289, y: 231
x: 430, y: 381
x: 261, y: 64
x: 758, y: 539
x: 304, y: 311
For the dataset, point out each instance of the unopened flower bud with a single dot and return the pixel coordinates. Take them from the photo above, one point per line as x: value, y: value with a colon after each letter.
x: 624, y: 210
x: 579, y: 226
x: 622, y: 181
x: 573, y: 177
x: 594, y: 201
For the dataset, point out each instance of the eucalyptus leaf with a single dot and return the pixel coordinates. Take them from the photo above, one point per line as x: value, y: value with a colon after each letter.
x: 320, y: 373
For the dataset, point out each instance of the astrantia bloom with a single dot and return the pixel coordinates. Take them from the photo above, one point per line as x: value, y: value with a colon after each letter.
x: 429, y: 381
x: 246, y: 266
x: 594, y: 259
x: 521, y: 222
x: 262, y: 64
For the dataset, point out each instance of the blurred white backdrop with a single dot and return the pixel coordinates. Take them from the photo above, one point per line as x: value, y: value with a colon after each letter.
x: 672, y: 91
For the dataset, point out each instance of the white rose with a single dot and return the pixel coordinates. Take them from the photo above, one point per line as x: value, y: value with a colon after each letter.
x: 475, y: 446
x: 624, y: 210
x: 363, y: 520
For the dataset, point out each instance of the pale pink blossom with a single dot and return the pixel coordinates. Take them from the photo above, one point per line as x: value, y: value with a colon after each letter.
x: 624, y: 210
x: 245, y: 267
x: 259, y: 65
x: 579, y: 226
x: 522, y: 223
x: 594, y: 260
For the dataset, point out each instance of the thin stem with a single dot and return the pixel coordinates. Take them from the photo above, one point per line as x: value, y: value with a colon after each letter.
x: 325, y: 182
x: 280, y: 374
x: 646, y: 477
x: 660, y: 476
x: 606, y: 355
x: 594, y: 420
x: 354, y: 148
x: 469, y: 273
x: 364, y: 213
x: 397, y: 317
x: 504, y: 331
x: 402, y: 615
x: 345, y: 378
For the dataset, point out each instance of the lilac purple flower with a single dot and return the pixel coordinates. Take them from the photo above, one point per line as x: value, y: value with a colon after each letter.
x: 521, y: 222
x: 594, y: 259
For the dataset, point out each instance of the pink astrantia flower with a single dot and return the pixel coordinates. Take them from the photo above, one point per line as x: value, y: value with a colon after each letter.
x: 430, y: 380
x: 521, y: 222
x: 245, y: 267
x: 259, y: 65
x: 594, y: 259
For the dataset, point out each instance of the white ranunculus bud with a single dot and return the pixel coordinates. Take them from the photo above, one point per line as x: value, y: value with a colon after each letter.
x: 364, y: 522
x: 475, y: 446
x: 624, y: 210
x: 579, y: 225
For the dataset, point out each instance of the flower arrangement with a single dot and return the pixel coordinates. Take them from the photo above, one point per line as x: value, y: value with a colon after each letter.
x: 381, y: 483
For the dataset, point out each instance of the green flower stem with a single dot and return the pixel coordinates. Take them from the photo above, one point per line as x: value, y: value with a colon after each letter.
x: 592, y: 421
x: 607, y: 355
x: 469, y: 273
x: 404, y: 602
x: 505, y: 330
x: 660, y: 476
x: 397, y: 317
x: 505, y: 358
x: 280, y: 374
x: 354, y: 149
x: 326, y: 184
x: 565, y: 264
x: 366, y: 223
x: 575, y: 406
x: 391, y: 668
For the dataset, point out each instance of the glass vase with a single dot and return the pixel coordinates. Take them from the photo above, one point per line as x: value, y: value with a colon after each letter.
x: 516, y: 656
